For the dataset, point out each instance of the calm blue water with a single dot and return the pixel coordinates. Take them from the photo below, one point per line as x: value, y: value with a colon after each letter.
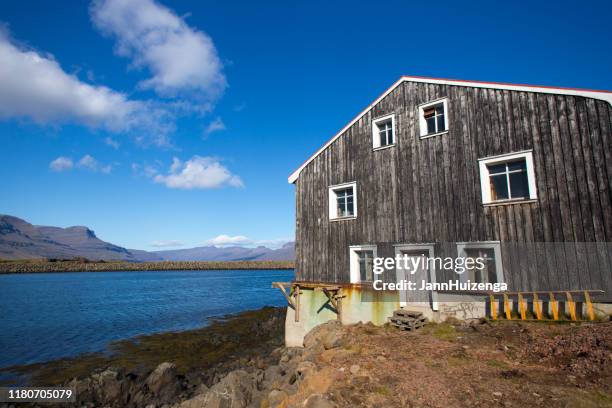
x: 51, y: 315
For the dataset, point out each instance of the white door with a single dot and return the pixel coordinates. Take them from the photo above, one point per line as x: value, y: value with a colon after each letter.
x: 414, y: 270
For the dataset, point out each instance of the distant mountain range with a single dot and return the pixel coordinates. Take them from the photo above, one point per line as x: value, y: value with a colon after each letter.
x: 22, y: 240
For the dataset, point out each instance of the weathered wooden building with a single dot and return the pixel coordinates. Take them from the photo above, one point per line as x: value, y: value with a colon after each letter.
x: 521, y: 175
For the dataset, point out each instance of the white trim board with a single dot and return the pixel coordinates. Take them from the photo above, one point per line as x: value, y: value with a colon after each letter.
x: 603, y: 95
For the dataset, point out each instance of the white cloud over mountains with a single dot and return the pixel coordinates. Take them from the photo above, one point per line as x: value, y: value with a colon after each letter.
x: 166, y: 244
x: 182, y: 61
x: 198, y: 173
x: 227, y: 240
x: 224, y: 240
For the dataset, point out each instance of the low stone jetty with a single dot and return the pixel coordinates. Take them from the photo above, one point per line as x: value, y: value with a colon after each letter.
x: 36, y: 266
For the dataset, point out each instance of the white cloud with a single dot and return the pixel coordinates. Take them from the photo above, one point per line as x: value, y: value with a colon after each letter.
x: 61, y: 164
x: 112, y: 142
x: 198, y: 173
x: 216, y: 125
x: 35, y: 86
x: 166, y: 244
x: 90, y: 163
x: 181, y: 59
x: 226, y: 240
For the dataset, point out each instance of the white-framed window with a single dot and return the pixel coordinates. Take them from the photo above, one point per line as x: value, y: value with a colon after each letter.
x: 490, y: 254
x: 343, y: 201
x: 433, y: 118
x: 507, y: 178
x: 383, y: 132
x: 361, y: 258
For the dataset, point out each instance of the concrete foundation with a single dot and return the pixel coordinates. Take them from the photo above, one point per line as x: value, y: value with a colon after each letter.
x: 366, y: 305
x: 358, y: 305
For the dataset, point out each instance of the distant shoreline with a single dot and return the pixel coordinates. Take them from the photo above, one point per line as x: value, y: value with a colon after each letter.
x: 40, y: 266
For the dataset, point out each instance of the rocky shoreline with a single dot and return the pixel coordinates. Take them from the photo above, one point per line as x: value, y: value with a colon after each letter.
x: 241, y: 362
x: 42, y: 266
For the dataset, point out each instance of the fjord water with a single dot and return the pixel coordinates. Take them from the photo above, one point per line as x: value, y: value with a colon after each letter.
x: 47, y: 316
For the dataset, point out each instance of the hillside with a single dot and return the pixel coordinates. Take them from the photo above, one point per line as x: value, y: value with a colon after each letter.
x: 234, y: 253
x: 21, y: 240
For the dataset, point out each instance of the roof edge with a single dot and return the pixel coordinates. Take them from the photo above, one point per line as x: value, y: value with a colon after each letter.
x: 589, y: 93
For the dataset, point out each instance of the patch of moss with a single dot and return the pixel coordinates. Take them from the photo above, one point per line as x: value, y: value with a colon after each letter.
x: 443, y: 331
x: 497, y: 364
x: 383, y: 390
x: 225, y: 339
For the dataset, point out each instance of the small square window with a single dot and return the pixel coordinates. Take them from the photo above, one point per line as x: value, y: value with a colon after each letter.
x: 343, y: 201
x: 489, y: 267
x: 433, y: 118
x: 383, y: 132
x: 507, y: 178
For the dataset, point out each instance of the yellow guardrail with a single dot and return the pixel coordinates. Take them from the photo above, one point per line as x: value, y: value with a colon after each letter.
x: 538, y: 311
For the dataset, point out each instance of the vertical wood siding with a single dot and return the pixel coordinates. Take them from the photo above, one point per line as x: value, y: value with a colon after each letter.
x: 428, y: 190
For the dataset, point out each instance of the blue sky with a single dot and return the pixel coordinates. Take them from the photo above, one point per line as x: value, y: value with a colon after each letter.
x: 161, y: 125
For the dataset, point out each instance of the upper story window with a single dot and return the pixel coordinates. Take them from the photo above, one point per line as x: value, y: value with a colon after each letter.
x: 383, y: 131
x: 343, y: 201
x: 507, y: 178
x: 362, y: 263
x: 433, y: 118
x: 489, y: 269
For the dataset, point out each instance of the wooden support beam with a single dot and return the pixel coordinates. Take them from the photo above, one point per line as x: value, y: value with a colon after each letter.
x: 331, y: 298
x: 493, y: 307
x: 284, y: 292
x: 589, y: 304
x: 296, y: 294
x: 339, y: 297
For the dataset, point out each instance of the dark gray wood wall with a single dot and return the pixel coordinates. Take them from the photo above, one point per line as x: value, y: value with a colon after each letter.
x: 428, y: 190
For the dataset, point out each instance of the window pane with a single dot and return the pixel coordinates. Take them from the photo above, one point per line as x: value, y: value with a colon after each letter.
x: 499, y: 187
x: 366, y: 265
x: 341, y: 207
x: 517, y: 165
x: 519, y: 187
x: 429, y: 112
x: 496, y: 168
x: 491, y: 271
x: 431, y: 125
x: 441, y: 125
x: 350, y: 210
x: 440, y: 109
